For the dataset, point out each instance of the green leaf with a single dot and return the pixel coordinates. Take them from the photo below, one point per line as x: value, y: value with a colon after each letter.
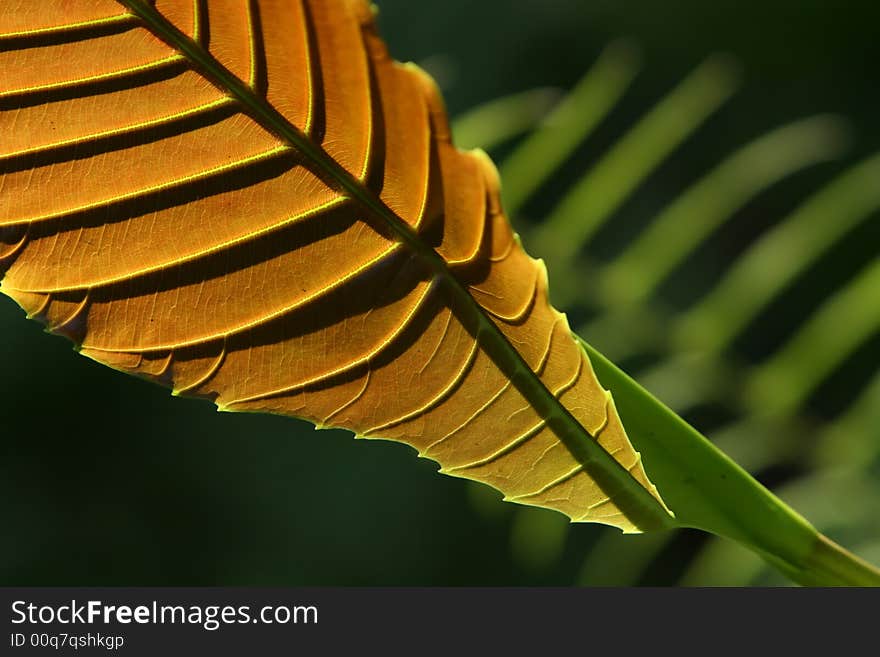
x: 582, y: 109
x: 497, y: 121
x: 710, y: 492
x: 773, y: 263
x: 590, y: 203
x: 680, y: 229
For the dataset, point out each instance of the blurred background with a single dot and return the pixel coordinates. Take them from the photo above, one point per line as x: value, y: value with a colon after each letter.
x: 710, y: 223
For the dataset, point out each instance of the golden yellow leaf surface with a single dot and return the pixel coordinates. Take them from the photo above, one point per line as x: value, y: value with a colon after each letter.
x: 249, y: 201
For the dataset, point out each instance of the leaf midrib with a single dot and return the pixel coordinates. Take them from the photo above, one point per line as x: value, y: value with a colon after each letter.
x: 636, y: 502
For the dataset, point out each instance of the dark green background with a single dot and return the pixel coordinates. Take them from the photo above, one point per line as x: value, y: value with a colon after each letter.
x: 107, y: 480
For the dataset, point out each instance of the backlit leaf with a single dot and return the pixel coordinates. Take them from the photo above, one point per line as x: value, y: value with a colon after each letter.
x: 249, y: 201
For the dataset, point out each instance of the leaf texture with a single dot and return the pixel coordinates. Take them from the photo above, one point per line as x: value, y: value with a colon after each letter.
x: 249, y: 201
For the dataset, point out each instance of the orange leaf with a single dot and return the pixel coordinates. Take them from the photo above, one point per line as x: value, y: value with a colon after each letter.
x: 251, y: 202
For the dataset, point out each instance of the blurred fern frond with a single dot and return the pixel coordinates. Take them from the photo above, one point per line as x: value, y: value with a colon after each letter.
x: 771, y: 348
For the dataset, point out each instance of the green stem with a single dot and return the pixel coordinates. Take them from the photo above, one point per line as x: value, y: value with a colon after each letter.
x: 708, y: 491
x: 832, y: 564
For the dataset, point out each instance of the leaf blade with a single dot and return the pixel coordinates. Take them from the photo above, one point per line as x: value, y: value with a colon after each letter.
x: 711, y: 492
x: 426, y: 300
